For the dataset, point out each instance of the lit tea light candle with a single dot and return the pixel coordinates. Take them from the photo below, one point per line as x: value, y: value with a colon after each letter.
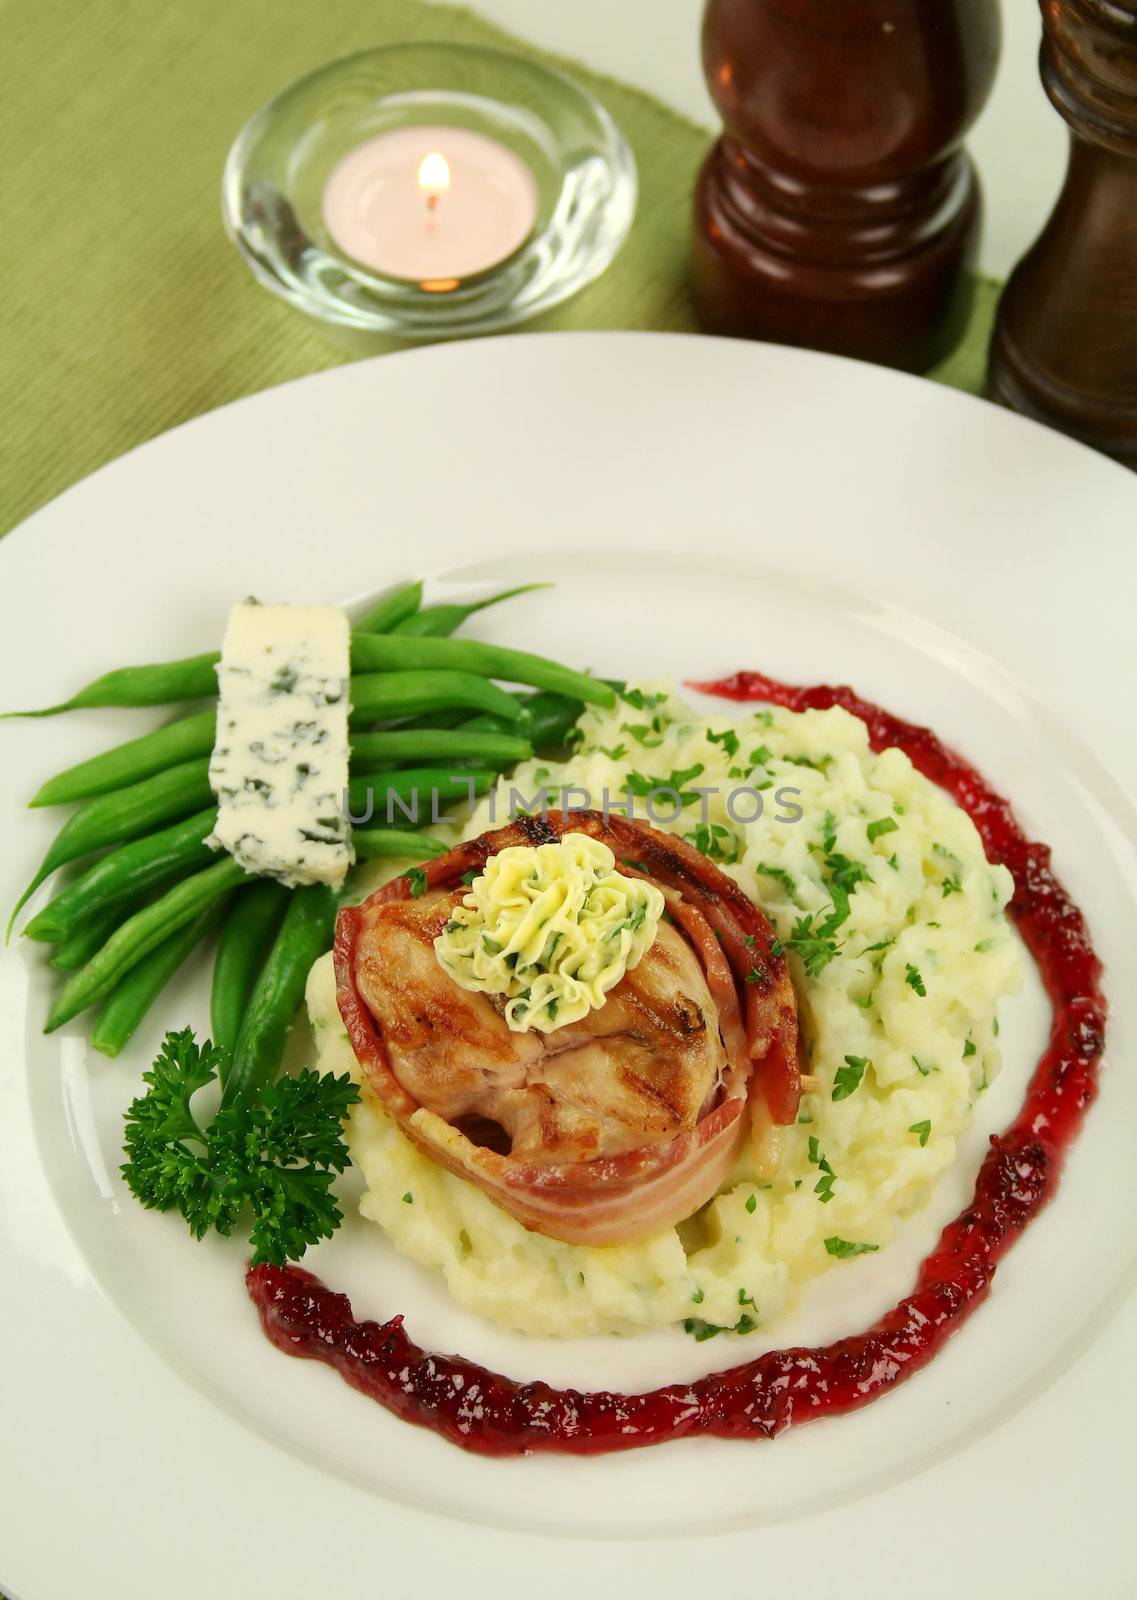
x: 434, y: 177
x: 434, y: 205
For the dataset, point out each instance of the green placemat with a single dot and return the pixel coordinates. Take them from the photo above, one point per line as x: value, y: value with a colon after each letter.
x: 125, y: 308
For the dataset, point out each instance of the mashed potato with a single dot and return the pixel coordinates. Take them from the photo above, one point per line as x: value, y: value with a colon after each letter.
x: 897, y: 1005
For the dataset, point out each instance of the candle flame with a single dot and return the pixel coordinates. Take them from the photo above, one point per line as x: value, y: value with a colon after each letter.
x: 434, y: 176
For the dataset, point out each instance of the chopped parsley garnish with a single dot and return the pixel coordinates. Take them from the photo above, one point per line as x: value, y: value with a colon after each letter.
x: 914, y: 981
x: 641, y: 785
x: 986, y: 944
x: 635, y: 919
x: 408, y: 1198
x: 885, y: 825
x: 639, y: 701
x: 643, y: 733
x: 752, y: 1204
x: 844, y: 1248
x: 728, y: 739
x: 952, y: 886
x: 920, y: 1067
x: 416, y: 877
x: 823, y: 1188
x: 817, y: 763
x: 700, y: 1331
x: 714, y: 841
x: 845, y: 874
x: 828, y: 833
x: 815, y: 945
x: 698, y: 1297
x: 923, y: 1130
x: 776, y: 948
x: 614, y: 752
x: 760, y: 757
x: 848, y: 1078
x: 468, y: 877
x: 968, y: 1048
x: 779, y: 875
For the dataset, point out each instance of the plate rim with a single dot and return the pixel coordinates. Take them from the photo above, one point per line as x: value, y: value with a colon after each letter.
x: 432, y: 352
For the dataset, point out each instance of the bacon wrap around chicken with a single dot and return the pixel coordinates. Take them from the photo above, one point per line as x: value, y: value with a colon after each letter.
x: 606, y: 1130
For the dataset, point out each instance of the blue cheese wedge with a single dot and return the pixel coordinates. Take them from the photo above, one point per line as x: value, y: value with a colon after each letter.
x: 279, y: 766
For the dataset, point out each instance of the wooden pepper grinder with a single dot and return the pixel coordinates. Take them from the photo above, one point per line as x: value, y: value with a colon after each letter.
x: 1065, y: 343
x: 838, y: 209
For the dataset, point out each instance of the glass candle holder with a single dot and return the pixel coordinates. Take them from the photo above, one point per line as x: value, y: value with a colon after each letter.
x: 342, y: 198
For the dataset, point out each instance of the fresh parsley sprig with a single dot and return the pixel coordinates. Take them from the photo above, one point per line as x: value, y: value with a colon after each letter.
x: 273, y: 1156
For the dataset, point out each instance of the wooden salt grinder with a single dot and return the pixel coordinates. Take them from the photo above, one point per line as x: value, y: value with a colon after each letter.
x: 838, y: 209
x: 1065, y: 344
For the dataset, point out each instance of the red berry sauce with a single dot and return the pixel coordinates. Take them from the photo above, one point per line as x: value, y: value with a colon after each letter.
x: 494, y: 1415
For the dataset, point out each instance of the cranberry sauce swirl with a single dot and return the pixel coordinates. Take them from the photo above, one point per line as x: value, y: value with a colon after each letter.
x: 486, y: 1412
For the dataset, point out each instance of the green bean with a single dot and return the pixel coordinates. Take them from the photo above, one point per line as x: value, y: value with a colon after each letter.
x: 305, y: 933
x: 436, y: 622
x: 127, y: 763
x: 406, y: 792
x: 548, y: 719
x: 90, y: 935
x: 249, y: 930
x: 378, y: 696
x: 375, y: 652
x: 393, y: 610
x: 417, y: 744
x: 452, y: 718
x: 195, y: 677
x: 545, y: 721
x: 140, y: 934
x: 192, y: 678
x: 124, y: 814
x: 134, y: 994
x: 397, y: 844
x: 128, y: 871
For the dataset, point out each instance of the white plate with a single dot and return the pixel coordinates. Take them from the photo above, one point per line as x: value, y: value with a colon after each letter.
x: 703, y: 505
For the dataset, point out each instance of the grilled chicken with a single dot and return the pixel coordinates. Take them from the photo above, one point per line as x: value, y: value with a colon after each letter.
x: 606, y: 1129
x: 637, y: 1071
